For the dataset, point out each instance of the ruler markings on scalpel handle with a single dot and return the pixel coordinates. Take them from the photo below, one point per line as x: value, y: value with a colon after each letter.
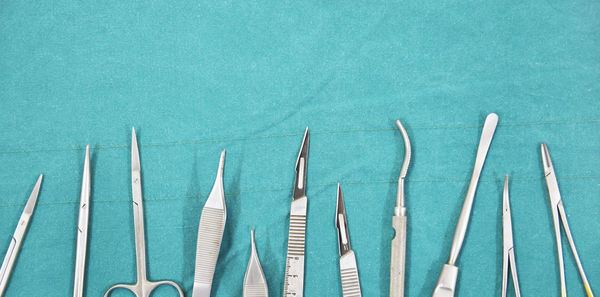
x: 294, y: 269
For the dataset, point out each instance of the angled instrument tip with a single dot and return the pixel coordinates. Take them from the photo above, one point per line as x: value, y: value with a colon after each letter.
x: 216, y: 198
x: 301, y: 167
x: 221, y: 162
x: 341, y: 223
x: 34, y: 195
x: 407, y: 149
x: 303, y: 148
x: 400, y: 208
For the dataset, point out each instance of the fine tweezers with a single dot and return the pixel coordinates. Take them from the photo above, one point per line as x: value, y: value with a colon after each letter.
x: 255, y: 283
x: 210, y: 235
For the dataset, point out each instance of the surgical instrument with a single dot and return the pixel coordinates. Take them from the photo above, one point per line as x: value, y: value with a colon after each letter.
x: 82, y: 227
x: 447, y: 282
x: 398, y: 259
x: 255, y: 283
x: 348, y: 266
x: 558, y: 210
x: 210, y: 234
x: 294, y: 265
x: 143, y: 287
x: 17, y: 239
x: 508, y: 258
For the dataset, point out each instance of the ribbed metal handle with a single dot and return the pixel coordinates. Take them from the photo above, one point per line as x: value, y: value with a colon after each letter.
x: 349, y: 275
x: 210, y: 233
x: 398, y: 260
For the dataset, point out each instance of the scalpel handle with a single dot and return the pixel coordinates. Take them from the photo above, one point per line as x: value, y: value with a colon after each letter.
x: 349, y: 275
x: 398, y: 260
x: 294, y: 264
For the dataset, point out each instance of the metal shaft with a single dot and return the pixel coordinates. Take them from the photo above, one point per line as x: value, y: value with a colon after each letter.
x: 463, y: 220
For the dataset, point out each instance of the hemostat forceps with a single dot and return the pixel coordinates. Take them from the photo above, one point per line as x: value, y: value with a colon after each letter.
x: 447, y: 281
x: 508, y: 258
x: 143, y: 287
x: 398, y: 259
x: 348, y: 267
x: 558, y: 210
x: 17, y: 239
x: 210, y: 235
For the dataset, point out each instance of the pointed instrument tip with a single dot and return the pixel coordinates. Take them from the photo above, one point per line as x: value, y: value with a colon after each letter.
x: 133, y: 136
x: 85, y: 180
x: 340, y: 207
x: 135, y: 153
x: 216, y: 198
x: 301, y: 166
x: 222, y: 161
x: 546, y: 161
x: 87, y: 156
x: 303, y: 148
x: 252, y: 239
x: 34, y: 195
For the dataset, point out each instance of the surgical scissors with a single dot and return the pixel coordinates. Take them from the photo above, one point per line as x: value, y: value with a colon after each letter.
x: 447, y: 280
x: 255, y: 283
x: 82, y: 227
x: 558, y: 210
x: 508, y: 257
x: 398, y: 258
x: 143, y: 287
x: 17, y: 239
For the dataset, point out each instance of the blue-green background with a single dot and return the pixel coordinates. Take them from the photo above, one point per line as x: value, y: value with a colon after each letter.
x: 195, y: 77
